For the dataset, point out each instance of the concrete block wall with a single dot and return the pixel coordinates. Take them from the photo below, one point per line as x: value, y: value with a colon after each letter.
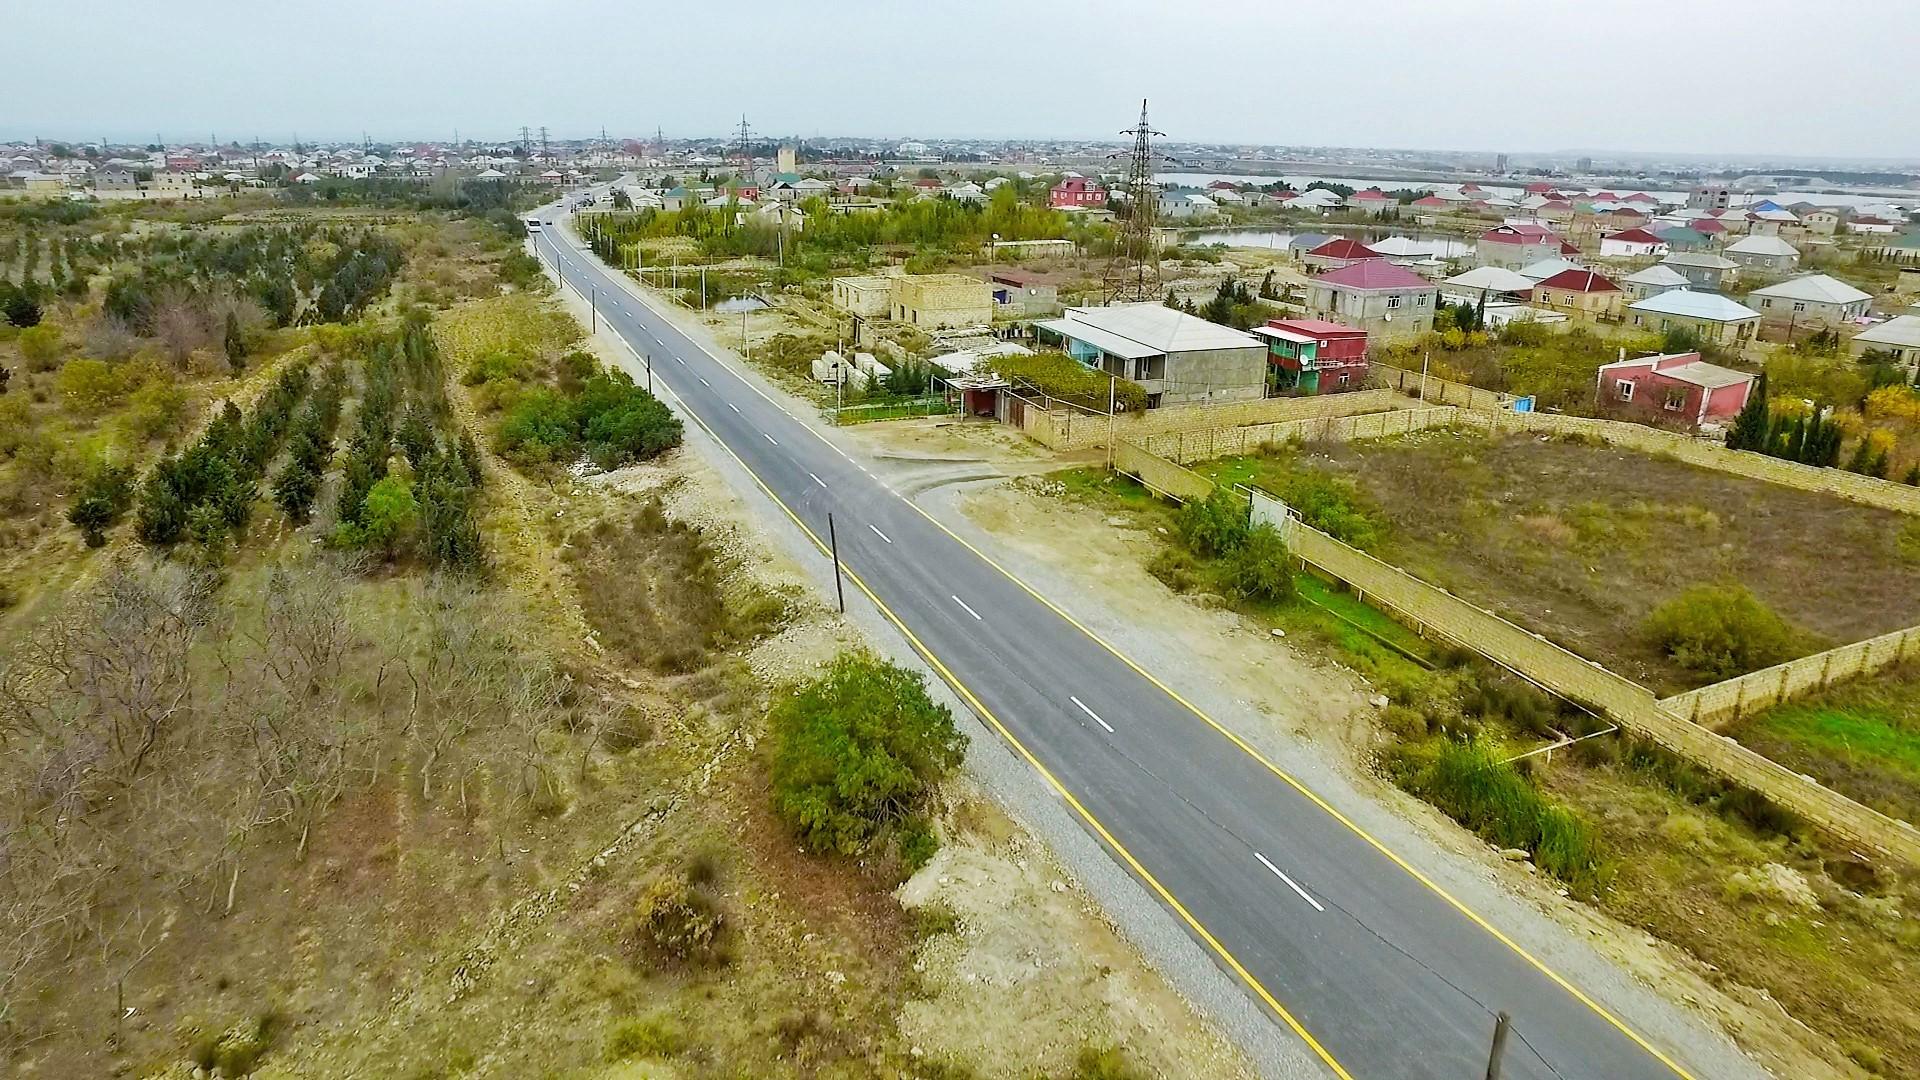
x: 1187, y: 447
x: 1433, y: 610
x: 1068, y: 428
x: 1725, y: 702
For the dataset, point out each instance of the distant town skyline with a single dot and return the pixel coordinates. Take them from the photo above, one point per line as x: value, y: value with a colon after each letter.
x: 1481, y: 76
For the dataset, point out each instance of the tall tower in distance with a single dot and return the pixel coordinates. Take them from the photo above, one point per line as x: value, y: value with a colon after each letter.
x: 788, y: 160
x: 1134, y: 272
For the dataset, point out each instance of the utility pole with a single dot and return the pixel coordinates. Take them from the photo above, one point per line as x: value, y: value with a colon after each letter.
x: 1113, y: 394
x: 1501, y: 1024
x: 833, y: 542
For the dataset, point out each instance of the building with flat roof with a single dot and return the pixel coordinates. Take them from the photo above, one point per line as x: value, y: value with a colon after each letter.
x: 1178, y: 358
x: 1314, y: 356
x: 941, y: 301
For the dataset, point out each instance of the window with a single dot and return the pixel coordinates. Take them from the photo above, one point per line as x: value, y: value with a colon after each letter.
x: 1799, y: 307
x: 1676, y: 400
x: 1623, y: 390
x: 1393, y: 302
x: 1420, y: 301
x: 1766, y: 301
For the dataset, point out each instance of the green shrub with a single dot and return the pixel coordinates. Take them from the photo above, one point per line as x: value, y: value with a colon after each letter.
x: 1332, y: 505
x: 502, y: 365
x: 622, y: 423
x: 41, y: 346
x: 537, y: 428
x: 1058, y: 375
x: 857, y: 751
x: 1468, y: 781
x: 917, y: 842
x: 104, y: 496
x: 677, y: 920
x: 89, y: 386
x: 1720, y: 631
x: 1104, y: 1063
x: 1260, y: 568
x: 1214, y: 526
x: 644, y: 1037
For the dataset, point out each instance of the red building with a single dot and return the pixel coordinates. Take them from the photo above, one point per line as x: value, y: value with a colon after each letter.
x: 1677, y: 389
x: 1076, y: 191
x: 1313, y: 356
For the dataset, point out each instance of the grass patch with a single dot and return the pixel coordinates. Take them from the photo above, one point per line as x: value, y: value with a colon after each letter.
x: 653, y: 589
x: 1471, y: 784
x: 1861, y: 738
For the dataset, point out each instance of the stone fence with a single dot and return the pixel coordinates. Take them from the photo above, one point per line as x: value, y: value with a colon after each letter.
x: 1722, y: 703
x: 1062, y: 426
x: 1436, y: 612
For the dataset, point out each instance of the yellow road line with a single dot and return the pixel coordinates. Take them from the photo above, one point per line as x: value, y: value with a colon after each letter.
x: 980, y: 707
x: 1237, y: 741
x: 1363, y: 834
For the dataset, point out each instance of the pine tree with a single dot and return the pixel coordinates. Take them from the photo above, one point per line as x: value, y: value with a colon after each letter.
x: 1751, y: 426
x: 235, y: 343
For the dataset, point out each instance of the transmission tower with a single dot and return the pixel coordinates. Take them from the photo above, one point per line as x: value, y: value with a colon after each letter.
x: 746, y: 141
x: 544, y: 155
x: 1134, y: 272
x: 526, y: 137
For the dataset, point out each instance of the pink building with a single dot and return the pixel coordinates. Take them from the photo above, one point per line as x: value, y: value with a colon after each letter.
x: 1676, y: 389
x: 1076, y: 191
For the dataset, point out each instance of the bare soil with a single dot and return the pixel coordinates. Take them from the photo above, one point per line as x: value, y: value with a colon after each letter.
x: 1580, y: 542
x: 1672, y: 918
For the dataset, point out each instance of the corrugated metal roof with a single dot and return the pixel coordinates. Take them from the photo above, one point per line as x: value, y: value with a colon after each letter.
x: 1148, y: 329
x: 1818, y: 288
x: 1695, y: 305
x: 1901, y: 330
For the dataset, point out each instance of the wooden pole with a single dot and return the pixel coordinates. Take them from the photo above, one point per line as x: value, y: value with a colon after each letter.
x: 1501, y: 1024
x: 839, y: 590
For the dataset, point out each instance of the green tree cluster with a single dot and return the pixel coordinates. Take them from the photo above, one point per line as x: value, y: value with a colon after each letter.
x: 856, y: 755
x: 612, y: 420
x: 206, y: 494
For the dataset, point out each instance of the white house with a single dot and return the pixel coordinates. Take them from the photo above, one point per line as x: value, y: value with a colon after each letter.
x: 1764, y: 252
x: 1654, y: 280
x: 1632, y: 244
x: 1812, y: 298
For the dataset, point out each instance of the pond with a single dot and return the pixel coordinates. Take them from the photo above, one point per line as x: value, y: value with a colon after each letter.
x: 739, y: 304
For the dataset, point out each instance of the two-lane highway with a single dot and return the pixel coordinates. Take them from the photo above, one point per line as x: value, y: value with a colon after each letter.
x: 1379, y: 971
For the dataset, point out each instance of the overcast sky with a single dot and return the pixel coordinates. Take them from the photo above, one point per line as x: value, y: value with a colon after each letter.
x: 1833, y: 78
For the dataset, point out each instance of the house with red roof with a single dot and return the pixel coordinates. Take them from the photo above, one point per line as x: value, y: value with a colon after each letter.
x: 1076, y: 192
x: 1517, y: 244
x: 1431, y: 202
x: 1540, y: 187
x: 1642, y: 198
x: 1634, y: 243
x: 1370, y: 200
x: 1673, y: 390
x: 1580, y: 294
x: 1314, y: 356
x: 1387, y: 301
x: 1338, y: 252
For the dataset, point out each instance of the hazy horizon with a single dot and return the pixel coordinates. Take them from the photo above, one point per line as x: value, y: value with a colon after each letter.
x: 1479, y: 76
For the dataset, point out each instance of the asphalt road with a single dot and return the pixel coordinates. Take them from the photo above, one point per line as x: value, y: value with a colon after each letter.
x: 1380, y: 973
